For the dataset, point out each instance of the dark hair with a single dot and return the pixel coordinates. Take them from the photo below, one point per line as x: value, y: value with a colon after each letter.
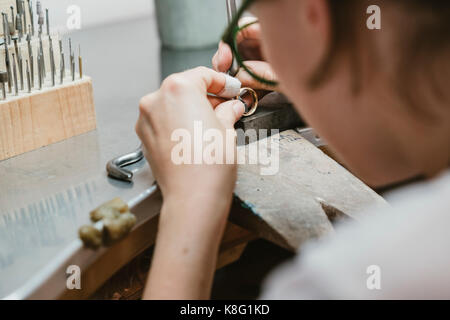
x: 425, y: 33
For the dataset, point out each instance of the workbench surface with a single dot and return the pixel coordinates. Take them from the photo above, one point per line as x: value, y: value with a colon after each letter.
x: 45, y: 195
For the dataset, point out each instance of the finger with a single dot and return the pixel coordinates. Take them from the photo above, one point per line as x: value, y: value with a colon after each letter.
x: 208, y: 81
x: 262, y: 69
x: 252, y: 32
x: 215, y: 101
x: 223, y: 58
x: 230, y: 112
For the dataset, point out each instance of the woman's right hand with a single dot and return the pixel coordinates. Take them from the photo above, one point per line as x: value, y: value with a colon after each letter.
x: 249, y: 44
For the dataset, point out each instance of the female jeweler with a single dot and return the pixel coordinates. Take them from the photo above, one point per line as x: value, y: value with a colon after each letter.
x: 379, y: 97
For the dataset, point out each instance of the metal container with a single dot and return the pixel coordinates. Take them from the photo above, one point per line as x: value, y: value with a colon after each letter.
x: 190, y: 24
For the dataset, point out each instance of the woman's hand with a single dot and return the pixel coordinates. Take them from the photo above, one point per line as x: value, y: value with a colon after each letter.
x: 197, y: 197
x: 182, y: 103
x: 249, y: 45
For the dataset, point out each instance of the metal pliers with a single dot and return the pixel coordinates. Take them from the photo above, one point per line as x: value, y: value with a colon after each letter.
x: 115, y: 167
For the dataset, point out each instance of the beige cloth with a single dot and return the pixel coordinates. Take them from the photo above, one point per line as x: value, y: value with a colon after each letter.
x: 406, y: 248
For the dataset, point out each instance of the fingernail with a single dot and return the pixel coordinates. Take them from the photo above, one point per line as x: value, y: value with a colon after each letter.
x: 239, y: 109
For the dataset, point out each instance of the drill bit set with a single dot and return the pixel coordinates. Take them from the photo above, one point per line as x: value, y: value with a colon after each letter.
x: 41, y: 102
x: 33, y: 59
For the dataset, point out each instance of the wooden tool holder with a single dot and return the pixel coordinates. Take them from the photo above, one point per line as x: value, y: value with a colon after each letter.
x: 31, y: 121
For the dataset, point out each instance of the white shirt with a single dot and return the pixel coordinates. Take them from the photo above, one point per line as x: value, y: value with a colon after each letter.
x: 401, y: 253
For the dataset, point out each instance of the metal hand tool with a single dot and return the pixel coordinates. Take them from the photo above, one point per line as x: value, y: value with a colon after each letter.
x: 80, y: 62
x: 30, y: 57
x: 232, y: 11
x: 20, y: 61
x: 41, y: 50
x: 40, y: 15
x: 72, y: 60
x: 115, y: 167
x: 62, y: 63
x: 39, y: 70
x: 19, y: 26
x: 47, y: 19
x: 12, y: 18
x: 3, y: 80
x: 16, y: 87
x: 30, y: 11
x: 28, y: 77
x: 7, y: 61
x: 24, y: 16
x: 52, y: 61
x: 6, y: 32
x: 19, y: 57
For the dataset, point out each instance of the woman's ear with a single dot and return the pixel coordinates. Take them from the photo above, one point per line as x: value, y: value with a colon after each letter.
x: 316, y: 19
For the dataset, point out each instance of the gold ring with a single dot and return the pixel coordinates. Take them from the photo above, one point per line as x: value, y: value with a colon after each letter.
x: 255, y: 100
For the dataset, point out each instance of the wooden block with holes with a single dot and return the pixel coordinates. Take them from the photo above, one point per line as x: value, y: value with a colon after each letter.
x: 31, y: 121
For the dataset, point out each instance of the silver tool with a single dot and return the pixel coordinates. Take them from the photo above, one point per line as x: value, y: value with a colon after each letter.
x: 7, y: 60
x: 47, y: 19
x: 24, y: 17
x: 16, y: 87
x: 39, y: 70
x: 30, y: 11
x: 41, y: 50
x: 40, y: 15
x: 310, y: 135
x: 231, y: 13
x: 12, y: 18
x: 72, y: 60
x: 31, y: 57
x: 115, y: 167
x: 3, y: 80
x: 6, y: 32
x: 19, y: 27
x: 52, y: 60
x: 20, y: 61
x: 80, y: 62
x: 28, y: 77
x: 73, y: 68
x: 62, y: 63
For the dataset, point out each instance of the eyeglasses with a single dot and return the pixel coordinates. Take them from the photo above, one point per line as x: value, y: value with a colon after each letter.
x: 230, y: 38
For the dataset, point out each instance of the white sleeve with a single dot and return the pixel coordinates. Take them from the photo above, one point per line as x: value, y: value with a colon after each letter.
x: 401, y: 253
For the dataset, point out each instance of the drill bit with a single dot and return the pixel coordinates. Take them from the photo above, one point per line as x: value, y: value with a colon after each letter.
x: 52, y: 60
x: 30, y: 57
x: 7, y: 61
x: 19, y: 27
x: 3, y: 80
x: 62, y: 66
x: 39, y: 70
x: 40, y: 15
x: 72, y: 60
x: 80, y: 62
x: 28, y: 78
x: 6, y: 27
x: 24, y: 16
x: 12, y: 18
x: 41, y: 50
x: 16, y: 87
x: 30, y: 11
x: 20, y: 62
x: 19, y: 57
x: 73, y: 68
x: 47, y: 19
